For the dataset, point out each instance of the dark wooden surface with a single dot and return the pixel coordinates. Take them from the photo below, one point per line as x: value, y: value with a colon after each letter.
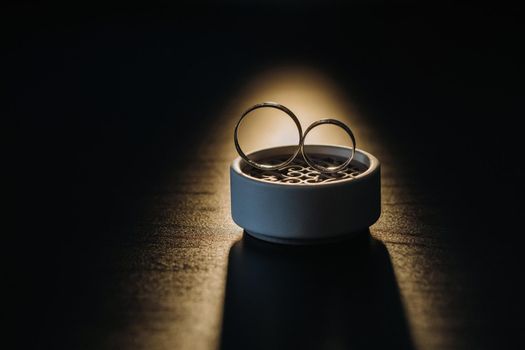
x: 124, y: 238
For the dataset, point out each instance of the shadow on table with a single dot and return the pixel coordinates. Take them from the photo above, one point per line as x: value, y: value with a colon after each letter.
x: 336, y: 296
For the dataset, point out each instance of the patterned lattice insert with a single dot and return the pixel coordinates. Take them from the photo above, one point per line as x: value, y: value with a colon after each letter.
x: 298, y: 172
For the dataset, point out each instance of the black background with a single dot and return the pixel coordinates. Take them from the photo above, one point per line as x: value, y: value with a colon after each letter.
x: 102, y: 95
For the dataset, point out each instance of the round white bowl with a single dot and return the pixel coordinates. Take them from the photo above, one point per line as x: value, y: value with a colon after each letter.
x: 306, y: 213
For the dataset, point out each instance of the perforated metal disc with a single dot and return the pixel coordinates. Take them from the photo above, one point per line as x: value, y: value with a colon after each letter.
x: 298, y: 172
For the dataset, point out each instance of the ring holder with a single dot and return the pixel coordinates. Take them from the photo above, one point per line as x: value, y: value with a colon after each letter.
x: 325, y: 195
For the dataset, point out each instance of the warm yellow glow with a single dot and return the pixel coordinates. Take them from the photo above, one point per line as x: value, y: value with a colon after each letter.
x: 202, y: 214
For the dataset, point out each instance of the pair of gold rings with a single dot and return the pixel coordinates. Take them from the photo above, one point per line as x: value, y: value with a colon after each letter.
x: 300, y: 145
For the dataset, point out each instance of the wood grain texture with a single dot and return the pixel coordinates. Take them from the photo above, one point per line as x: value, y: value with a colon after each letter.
x: 168, y: 278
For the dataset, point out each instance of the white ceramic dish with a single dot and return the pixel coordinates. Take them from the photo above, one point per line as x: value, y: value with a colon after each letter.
x: 297, y: 205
